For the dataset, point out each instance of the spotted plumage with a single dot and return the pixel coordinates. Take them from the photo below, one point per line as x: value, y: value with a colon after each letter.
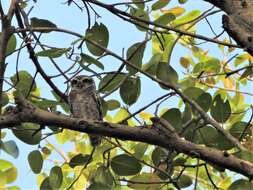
x: 84, y: 102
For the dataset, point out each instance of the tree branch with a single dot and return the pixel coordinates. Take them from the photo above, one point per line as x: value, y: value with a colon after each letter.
x: 7, y: 31
x: 26, y: 112
x: 36, y: 62
x: 136, y: 19
x: 238, y: 22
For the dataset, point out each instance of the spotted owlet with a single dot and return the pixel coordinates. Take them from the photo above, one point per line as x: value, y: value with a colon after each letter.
x: 84, y: 102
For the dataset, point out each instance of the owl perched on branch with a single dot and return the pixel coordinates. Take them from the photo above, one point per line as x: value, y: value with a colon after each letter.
x: 84, y: 102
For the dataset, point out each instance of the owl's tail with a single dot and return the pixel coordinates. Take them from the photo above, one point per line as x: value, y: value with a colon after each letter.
x: 95, y: 140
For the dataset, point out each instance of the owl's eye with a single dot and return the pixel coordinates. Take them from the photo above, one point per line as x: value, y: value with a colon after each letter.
x: 74, y: 82
x: 87, y: 80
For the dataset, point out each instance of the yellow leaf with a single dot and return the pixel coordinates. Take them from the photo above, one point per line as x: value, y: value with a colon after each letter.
x: 36, y: 92
x: 66, y: 136
x: 145, y: 115
x: 228, y: 83
x: 176, y: 11
x: 121, y: 115
x: 184, y: 62
x: 250, y: 58
x: 40, y: 178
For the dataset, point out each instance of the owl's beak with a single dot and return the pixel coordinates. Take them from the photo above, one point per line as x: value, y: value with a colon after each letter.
x: 79, y: 85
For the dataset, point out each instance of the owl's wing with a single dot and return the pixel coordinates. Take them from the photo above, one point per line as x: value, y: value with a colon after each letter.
x: 96, y: 98
x: 70, y: 100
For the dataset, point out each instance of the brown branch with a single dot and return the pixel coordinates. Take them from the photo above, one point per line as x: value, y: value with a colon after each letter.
x: 238, y: 22
x: 7, y: 31
x: 26, y: 112
x: 35, y: 60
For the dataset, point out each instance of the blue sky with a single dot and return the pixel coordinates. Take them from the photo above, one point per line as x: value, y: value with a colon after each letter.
x: 122, y: 35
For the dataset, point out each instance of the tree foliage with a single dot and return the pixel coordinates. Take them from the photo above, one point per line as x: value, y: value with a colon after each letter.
x: 196, y: 134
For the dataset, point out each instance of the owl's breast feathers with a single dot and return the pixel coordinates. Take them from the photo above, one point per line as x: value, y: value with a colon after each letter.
x: 85, y: 105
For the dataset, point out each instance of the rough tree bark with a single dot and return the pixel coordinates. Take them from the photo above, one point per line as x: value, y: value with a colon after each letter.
x: 26, y: 112
x: 238, y: 21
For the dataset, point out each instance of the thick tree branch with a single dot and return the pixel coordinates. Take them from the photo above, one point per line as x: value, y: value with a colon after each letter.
x: 7, y: 31
x: 26, y: 112
x: 239, y: 21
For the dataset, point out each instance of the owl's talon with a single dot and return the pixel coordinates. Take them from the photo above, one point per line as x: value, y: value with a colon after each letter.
x: 82, y: 122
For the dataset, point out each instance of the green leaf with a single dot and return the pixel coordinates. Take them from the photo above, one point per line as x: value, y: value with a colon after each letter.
x: 185, y: 61
x: 213, y: 139
x: 79, y: 160
x: 204, y: 101
x: 166, y: 73
x: 141, y: 14
x: 5, y: 99
x: 99, y: 34
x: 179, y: 161
x: 98, y: 186
x: 63, y: 104
x: 144, y: 180
x: 220, y: 110
x: 241, y: 184
x: 193, y: 92
x: 23, y: 82
x: 241, y: 59
x: 104, y: 87
x: 238, y: 128
x: 8, y: 172
x: 160, y: 4
x: 182, y: 1
x: 112, y: 104
x: 35, y: 160
x: 55, y: 177
x: 104, y: 176
x: 104, y: 107
x: 174, y: 117
x: 45, y: 185
x: 138, y: 4
x: 184, y: 181
x: 91, y: 60
x: 121, y: 115
x: 13, y: 188
x: 135, y: 55
x: 157, y: 155
x: 165, y: 19
x: 188, y: 17
x: 246, y: 73
x: 130, y: 90
x: 139, y: 150
x: 26, y: 133
x: 36, y: 22
x: 45, y: 150
x: 10, y: 148
x: 52, y: 53
x: 212, y: 65
x: 124, y: 165
x: 187, y: 114
x: 11, y: 46
x: 245, y: 155
x: 46, y: 104
x: 151, y: 66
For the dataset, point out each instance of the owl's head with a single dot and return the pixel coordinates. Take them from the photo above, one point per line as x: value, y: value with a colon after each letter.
x: 83, y: 83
